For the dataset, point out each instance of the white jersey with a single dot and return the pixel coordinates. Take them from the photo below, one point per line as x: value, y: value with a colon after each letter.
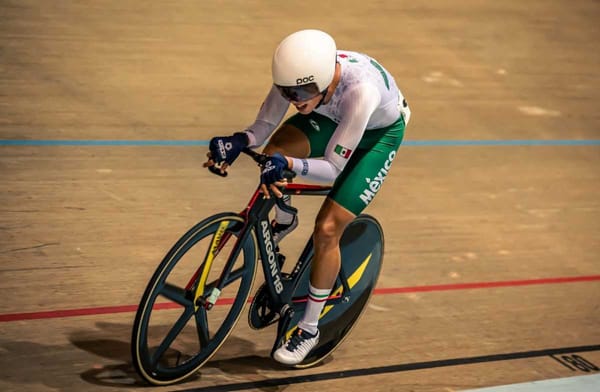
x: 365, y: 98
x: 363, y: 78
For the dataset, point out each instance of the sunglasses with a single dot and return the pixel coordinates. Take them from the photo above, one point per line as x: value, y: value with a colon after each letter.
x: 299, y: 93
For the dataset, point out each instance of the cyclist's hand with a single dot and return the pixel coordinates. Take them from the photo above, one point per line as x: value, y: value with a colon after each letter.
x: 224, y: 150
x: 271, y: 176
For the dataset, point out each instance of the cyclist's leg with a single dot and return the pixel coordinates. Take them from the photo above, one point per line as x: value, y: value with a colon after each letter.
x: 354, y: 189
x: 365, y: 171
x: 330, y: 224
x: 329, y: 227
x: 331, y: 221
x: 352, y: 192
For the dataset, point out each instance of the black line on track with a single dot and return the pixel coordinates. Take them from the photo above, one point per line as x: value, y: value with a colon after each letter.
x: 391, y: 369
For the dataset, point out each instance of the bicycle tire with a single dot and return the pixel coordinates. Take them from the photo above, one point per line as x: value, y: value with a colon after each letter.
x: 148, y: 360
x: 362, y: 248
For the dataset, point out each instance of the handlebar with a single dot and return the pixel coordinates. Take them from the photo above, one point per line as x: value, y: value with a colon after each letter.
x: 259, y: 158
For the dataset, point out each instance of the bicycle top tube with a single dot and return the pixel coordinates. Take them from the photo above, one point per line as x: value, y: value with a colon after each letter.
x: 306, y: 189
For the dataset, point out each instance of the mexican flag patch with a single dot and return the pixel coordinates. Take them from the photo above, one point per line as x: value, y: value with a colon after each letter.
x: 342, y: 151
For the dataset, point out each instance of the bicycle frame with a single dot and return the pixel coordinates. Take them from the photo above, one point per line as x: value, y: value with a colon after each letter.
x: 257, y: 219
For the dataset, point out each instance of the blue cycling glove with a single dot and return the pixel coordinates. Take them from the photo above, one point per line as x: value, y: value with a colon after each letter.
x: 227, y: 148
x: 273, y: 169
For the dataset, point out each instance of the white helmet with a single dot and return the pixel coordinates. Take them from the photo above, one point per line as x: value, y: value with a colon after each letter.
x: 304, y: 64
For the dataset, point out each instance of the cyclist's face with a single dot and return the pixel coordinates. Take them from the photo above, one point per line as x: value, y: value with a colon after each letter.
x: 305, y: 107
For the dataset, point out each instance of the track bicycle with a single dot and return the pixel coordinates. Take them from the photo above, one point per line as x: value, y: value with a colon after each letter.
x: 207, y: 276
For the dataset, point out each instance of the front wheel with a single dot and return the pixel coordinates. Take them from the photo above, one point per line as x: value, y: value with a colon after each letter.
x: 172, y: 339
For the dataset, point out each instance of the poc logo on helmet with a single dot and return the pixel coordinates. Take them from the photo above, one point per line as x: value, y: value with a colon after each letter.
x: 306, y: 79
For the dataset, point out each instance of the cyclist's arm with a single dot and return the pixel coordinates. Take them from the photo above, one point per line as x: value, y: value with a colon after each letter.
x: 269, y: 116
x: 356, y: 109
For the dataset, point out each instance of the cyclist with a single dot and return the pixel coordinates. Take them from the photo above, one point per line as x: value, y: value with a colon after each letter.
x: 352, y: 116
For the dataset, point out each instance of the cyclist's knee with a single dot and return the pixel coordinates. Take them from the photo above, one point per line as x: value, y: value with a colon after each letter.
x: 330, y: 224
x: 327, y: 232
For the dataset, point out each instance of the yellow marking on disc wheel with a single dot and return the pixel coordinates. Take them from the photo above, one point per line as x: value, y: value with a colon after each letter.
x: 352, y: 280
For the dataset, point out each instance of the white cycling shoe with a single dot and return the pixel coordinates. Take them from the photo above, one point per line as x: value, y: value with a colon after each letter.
x: 296, y: 348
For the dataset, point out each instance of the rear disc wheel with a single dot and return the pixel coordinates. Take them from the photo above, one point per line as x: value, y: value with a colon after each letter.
x: 361, y: 246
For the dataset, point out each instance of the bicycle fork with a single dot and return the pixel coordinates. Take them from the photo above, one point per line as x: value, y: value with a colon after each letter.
x: 218, y: 242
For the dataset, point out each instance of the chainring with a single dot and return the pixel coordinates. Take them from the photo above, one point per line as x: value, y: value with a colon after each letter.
x: 260, y: 314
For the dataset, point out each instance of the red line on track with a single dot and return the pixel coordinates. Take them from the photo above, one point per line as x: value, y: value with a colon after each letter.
x: 378, y: 291
x: 485, y: 285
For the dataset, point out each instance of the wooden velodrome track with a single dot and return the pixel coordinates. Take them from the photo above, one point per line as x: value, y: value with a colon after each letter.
x: 491, y: 212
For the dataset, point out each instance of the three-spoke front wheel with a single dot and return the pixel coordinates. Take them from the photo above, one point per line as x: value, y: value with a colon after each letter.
x: 183, y: 319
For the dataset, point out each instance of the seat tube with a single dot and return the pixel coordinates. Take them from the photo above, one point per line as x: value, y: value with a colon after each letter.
x: 268, y: 255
